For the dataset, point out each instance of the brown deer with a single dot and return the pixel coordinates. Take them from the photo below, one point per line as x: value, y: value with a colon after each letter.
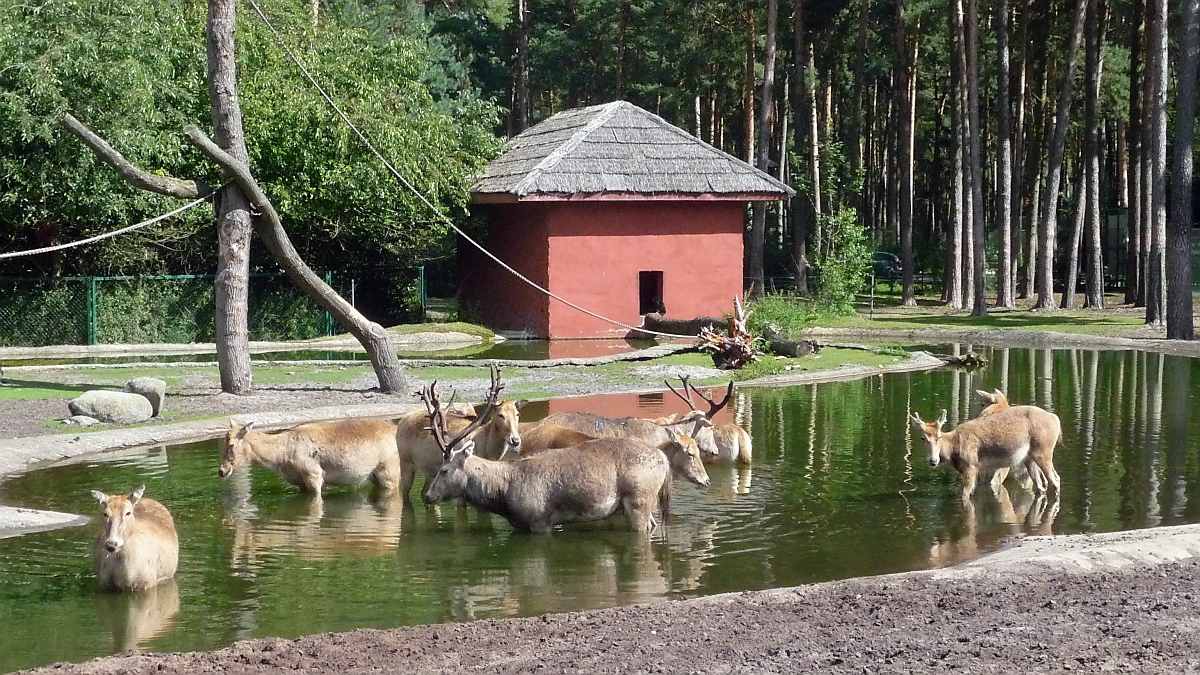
x: 1024, y: 435
x: 494, y: 438
x: 587, y: 482
x: 539, y: 437
x: 997, y: 401
x: 697, y: 423
x: 138, y: 547
x: 344, y: 452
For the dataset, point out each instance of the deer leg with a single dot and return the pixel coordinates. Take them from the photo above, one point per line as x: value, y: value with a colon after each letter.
x: 314, y: 480
x: 1035, y: 475
x: 640, y: 514
x: 970, y: 475
x: 408, y: 472
x: 387, y: 475
x: 998, y: 477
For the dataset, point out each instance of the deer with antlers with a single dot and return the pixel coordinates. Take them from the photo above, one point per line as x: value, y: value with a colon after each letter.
x: 586, y: 482
x: 495, y: 433
x: 697, y: 424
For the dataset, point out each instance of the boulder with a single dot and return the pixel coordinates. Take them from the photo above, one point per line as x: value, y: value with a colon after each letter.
x: 117, y: 407
x: 81, y: 421
x: 154, y: 389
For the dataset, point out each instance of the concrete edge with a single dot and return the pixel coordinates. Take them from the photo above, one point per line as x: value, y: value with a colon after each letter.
x: 1009, y: 338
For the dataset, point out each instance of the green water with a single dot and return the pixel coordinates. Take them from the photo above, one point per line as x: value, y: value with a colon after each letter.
x: 839, y: 488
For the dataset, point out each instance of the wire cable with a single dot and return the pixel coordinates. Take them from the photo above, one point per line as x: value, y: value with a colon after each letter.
x: 443, y: 217
x: 107, y: 235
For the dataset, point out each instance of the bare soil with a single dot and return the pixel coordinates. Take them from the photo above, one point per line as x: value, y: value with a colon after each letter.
x: 1135, y: 620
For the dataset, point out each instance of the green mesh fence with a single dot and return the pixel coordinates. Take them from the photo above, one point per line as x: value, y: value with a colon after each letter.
x: 180, y: 309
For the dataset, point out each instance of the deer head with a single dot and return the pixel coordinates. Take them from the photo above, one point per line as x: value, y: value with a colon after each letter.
x: 931, y: 433
x: 437, y: 417
x: 118, y: 516
x: 236, y: 447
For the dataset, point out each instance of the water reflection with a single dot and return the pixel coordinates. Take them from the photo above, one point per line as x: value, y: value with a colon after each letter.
x: 134, y: 619
x: 345, y: 524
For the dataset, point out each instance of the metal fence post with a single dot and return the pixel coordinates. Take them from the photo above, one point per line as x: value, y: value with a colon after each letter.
x: 421, y: 291
x: 328, y: 317
x: 92, y: 311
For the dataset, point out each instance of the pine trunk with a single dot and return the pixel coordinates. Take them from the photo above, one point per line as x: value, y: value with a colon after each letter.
x: 904, y: 149
x: 1156, y: 272
x: 801, y: 208
x: 1093, y: 67
x: 1004, y: 159
x: 977, y: 178
x: 1179, y: 242
x: 1048, y: 222
x: 1133, y: 217
x: 758, y: 224
x: 1070, y: 283
x: 521, y: 105
x: 954, y: 234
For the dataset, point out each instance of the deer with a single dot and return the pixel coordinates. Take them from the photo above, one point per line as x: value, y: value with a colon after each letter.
x: 1022, y: 435
x: 494, y: 438
x: 138, y: 547
x: 697, y: 424
x: 997, y: 401
x: 343, y: 452
x: 590, y: 481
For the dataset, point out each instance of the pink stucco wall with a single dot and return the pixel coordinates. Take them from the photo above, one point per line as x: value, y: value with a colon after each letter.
x: 591, y: 253
x: 597, y: 249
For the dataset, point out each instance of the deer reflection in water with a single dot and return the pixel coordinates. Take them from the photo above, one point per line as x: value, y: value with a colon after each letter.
x: 1000, y: 514
x: 134, y: 619
x: 349, y: 524
x: 590, y: 567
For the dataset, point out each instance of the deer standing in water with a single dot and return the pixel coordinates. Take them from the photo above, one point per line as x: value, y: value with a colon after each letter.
x: 1021, y: 435
x: 494, y: 438
x: 586, y: 482
x: 345, y: 452
x: 138, y: 547
x: 697, y: 424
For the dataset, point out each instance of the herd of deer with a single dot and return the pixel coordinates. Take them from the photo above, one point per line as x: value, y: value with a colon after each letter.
x: 571, y: 466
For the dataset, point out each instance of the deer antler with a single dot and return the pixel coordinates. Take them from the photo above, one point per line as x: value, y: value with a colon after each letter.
x: 437, y: 418
x: 713, y: 407
x: 686, y: 399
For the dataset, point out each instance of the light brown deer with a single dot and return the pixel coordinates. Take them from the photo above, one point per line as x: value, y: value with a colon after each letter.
x: 138, y: 547
x: 494, y: 438
x: 539, y: 437
x: 1024, y: 435
x: 733, y: 442
x: 697, y: 423
x: 587, y: 482
x: 997, y: 401
x: 344, y: 452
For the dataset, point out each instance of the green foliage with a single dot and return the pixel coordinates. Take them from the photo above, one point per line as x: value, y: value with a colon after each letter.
x: 786, y: 313
x: 844, y: 264
x: 135, y: 72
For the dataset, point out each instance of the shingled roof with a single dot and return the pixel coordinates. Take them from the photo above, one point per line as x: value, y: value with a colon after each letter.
x: 618, y: 149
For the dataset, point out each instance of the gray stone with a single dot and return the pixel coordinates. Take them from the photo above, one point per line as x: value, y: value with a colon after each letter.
x: 112, y: 406
x: 154, y: 389
x: 81, y: 421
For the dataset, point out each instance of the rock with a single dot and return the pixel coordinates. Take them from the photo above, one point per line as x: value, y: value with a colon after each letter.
x: 112, y: 406
x: 81, y: 421
x: 154, y: 389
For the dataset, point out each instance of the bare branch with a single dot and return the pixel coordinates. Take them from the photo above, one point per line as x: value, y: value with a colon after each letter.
x: 163, y: 185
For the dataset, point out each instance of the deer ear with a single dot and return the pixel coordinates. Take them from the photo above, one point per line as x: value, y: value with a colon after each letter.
x: 521, y: 404
x: 100, y: 496
x: 467, y: 448
x: 985, y: 396
x: 941, y: 418
x: 232, y: 424
x: 916, y: 421
x: 137, y: 494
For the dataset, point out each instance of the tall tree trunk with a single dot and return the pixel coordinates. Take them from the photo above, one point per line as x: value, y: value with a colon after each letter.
x: 905, y: 161
x: 814, y: 155
x: 748, y: 83
x: 954, y: 235
x: 972, y: 34
x: 232, y: 208
x: 1133, y: 216
x: 798, y: 89
x: 854, y: 135
x: 1093, y: 66
x: 375, y: 340
x: 1070, y: 283
x: 1156, y: 309
x: 966, y: 241
x: 758, y: 225
x: 1048, y: 221
x: 521, y: 70
x: 1004, y: 160
x: 314, y: 7
x: 1020, y: 141
x: 1179, y: 242
x: 1147, y: 185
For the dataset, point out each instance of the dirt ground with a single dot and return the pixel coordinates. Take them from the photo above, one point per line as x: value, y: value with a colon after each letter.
x: 1136, y: 620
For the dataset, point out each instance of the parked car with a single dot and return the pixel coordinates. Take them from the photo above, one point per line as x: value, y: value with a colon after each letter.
x: 887, y: 266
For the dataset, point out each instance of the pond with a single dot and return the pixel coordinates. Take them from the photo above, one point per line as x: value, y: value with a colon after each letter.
x: 839, y: 488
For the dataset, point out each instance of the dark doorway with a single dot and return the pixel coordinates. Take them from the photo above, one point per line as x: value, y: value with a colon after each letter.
x: 650, y: 293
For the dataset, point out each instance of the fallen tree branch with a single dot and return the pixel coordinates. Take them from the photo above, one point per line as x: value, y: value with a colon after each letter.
x: 375, y: 340
x: 163, y: 185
